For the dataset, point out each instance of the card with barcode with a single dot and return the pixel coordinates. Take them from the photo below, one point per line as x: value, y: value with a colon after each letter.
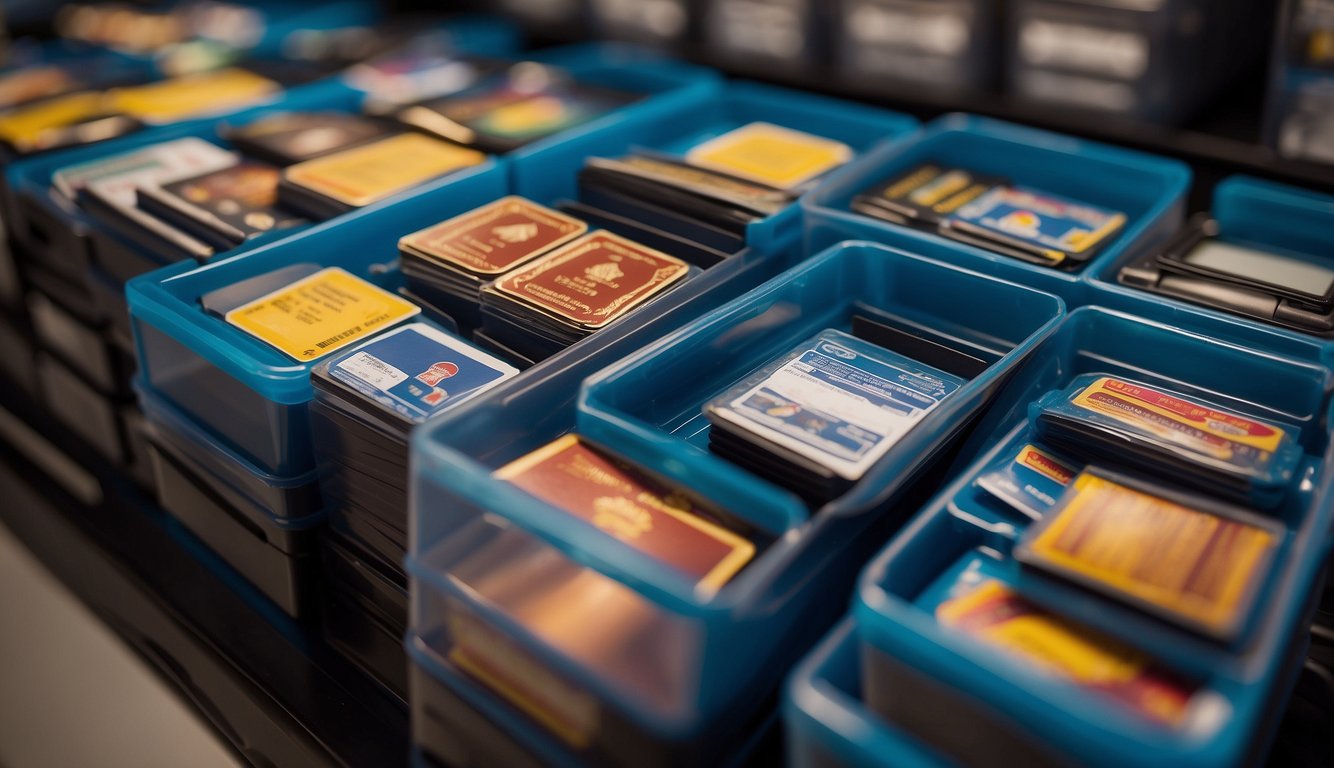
x: 417, y: 370
x: 320, y: 314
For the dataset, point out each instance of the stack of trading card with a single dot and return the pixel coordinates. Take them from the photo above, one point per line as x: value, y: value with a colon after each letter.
x: 1284, y: 287
x: 703, y: 543
x: 88, y: 116
x: 989, y: 212
x: 585, y: 285
x: 448, y: 263
x: 327, y: 186
x: 1184, y: 558
x: 288, y: 138
x: 1153, y: 430
x: 193, y: 95
x: 189, y: 198
x: 1003, y: 619
x: 32, y: 82
x: 108, y: 189
x: 426, y: 66
x: 222, y: 208
x: 713, y: 193
x: 368, y: 399
x: 818, y: 419
x: 525, y: 103
x: 307, y: 315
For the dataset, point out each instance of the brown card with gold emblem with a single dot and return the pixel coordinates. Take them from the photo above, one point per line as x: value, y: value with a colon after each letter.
x: 494, y: 238
x: 594, y: 280
x: 613, y: 497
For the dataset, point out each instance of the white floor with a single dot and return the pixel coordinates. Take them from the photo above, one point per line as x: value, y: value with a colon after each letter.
x: 72, y: 694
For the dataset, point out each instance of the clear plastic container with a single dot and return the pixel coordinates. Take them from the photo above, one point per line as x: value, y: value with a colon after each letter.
x: 703, y: 667
x: 1150, y: 190
x: 911, y: 664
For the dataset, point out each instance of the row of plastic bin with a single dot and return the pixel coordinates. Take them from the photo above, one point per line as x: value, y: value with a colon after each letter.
x: 543, y: 701
x: 892, y: 686
x: 1151, y: 190
x: 694, y: 696
x: 250, y: 404
x: 229, y: 421
x: 63, y: 270
x: 1129, y: 61
x: 717, y: 658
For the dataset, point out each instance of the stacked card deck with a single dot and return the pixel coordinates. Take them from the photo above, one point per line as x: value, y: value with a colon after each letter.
x: 573, y: 291
x: 510, y: 109
x: 816, y: 420
x: 108, y: 189
x: 448, y: 263
x: 368, y: 399
x: 1285, y: 287
x: 288, y: 138
x: 661, y: 520
x: 190, y: 198
x: 992, y: 213
x: 716, y: 190
x: 1151, y: 429
x: 222, y: 208
x: 1182, y: 557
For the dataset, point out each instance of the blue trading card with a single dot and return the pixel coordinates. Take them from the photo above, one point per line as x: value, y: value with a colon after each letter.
x: 836, y: 400
x: 1031, y: 481
x: 1038, y: 222
x: 418, y: 370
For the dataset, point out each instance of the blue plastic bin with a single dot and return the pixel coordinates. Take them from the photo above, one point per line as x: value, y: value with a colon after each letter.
x: 1034, y: 714
x: 728, y: 651
x: 1150, y: 190
x: 675, y: 127
x: 263, y: 526
x: 513, y: 418
x: 644, y: 409
x: 251, y: 396
x: 282, y: 24
x: 826, y: 722
x: 1262, y: 213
